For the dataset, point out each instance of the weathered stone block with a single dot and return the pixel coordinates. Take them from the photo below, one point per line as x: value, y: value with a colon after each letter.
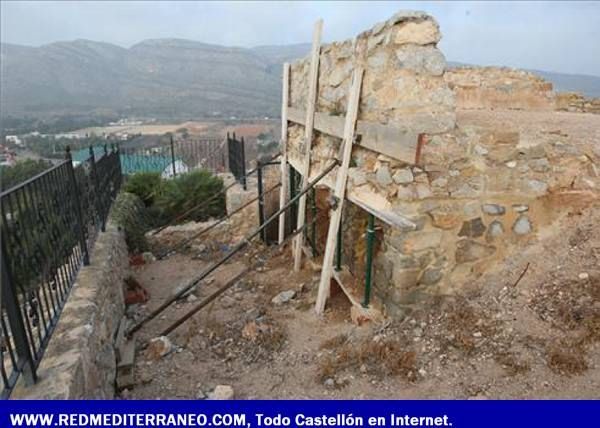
x: 417, y: 32
x: 495, y: 230
x: 411, y: 242
x: 493, y: 209
x: 403, y: 176
x: 473, y: 228
x: 421, y: 59
x: 468, y: 250
x: 522, y: 225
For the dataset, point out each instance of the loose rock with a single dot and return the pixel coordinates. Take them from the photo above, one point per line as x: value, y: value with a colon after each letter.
x: 283, y: 297
x: 159, y: 347
x: 222, y: 392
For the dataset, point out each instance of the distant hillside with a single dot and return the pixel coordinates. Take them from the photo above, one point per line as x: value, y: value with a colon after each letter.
x: 164, y: 78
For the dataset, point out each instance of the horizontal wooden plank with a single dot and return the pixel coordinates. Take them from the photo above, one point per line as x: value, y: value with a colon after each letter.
x: 373, y: 203
x: 385, y: 139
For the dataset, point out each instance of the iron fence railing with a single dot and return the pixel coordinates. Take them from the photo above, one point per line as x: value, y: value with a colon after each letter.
x: 176, y: 157
x: 48, y: 225
x: 237, y: 158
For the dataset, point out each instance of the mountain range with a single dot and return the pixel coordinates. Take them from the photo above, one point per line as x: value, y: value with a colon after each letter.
x: 163, y: 78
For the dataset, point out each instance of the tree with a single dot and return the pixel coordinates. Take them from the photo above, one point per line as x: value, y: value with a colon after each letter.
x: 21, y: 171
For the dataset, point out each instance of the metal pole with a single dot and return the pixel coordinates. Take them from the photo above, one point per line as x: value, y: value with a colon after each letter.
x: 261, y: 200
x: 338, y: 248
x: 81, y: 224
x: 173, y: 158
x: 243, y: 168
x: 98, y: 210
x: 369, y: 266
x: 245, y: 241
x: 292, y: 196
x: 223, y: 288
x: 212, y: 226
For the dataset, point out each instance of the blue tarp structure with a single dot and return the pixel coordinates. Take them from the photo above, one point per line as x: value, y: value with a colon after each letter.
x: 131, y: 163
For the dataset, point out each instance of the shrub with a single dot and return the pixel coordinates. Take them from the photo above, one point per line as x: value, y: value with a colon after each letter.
x: 130, y: 214
x: 22, y: 171
x: 188, y: 190
x: 146, y: 185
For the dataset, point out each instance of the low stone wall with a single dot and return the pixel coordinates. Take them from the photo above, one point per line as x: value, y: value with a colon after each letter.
x: 574, y: 102
x: 499, y: 87
x: 80, y: 361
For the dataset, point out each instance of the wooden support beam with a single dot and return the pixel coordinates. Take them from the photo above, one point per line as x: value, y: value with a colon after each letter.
x: 340, y: 189
x: 308, y: 136
x: 369, y: 201
x: 284, y: 165
x: 385, y: 139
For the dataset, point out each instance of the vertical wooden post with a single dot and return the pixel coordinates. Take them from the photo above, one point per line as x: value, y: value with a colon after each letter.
x: 283, y: 194
x: 340, y: 189
x: 308, y: 135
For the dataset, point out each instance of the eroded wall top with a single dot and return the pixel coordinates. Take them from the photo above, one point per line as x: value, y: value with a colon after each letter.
x: 403, y: 82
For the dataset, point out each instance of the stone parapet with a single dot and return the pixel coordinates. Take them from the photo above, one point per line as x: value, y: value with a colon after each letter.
x: 80, y: 361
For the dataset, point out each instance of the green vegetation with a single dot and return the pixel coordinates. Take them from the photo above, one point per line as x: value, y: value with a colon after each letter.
x: 21, y: 171
x: 145, y: 185
x: 167, y: 199
x: 130, y: 213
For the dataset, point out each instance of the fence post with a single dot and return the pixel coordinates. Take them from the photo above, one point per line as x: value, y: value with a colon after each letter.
x: 173, y: 158
x: 117, y: 150
x: 243, y: 156
x: 338, y: 248
x: 261, y: 200
x: 369, y: 261
x: 99, y: 211
x: 10, y: 301
x: 81, y: 224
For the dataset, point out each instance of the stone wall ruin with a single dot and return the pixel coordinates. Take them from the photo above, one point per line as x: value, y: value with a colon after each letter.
x: 468, y: 196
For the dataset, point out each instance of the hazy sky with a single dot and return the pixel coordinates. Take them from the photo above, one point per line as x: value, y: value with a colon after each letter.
x: 553, y: 36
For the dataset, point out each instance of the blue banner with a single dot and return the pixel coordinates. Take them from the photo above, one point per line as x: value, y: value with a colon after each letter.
x: 264, y: 414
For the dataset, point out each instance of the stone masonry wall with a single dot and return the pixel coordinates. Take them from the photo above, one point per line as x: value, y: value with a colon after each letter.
x: 499, y: 87
x: 574, y: 102
x: 80, y: 361
x: 474, y: 195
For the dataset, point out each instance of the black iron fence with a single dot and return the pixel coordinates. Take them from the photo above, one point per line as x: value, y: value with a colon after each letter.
x: 48, y: 225
x: 176, y: 157
x: 181, y: 156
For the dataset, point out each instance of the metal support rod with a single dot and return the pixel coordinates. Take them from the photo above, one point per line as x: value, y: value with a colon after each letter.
x: 78, y: 213
x: 369, y: 261
x: 338, y: 247
x: 243, y: 163
x: 261, y: 200
x: 245, y: 241
x: 94, y: 172
x: 203, y: 203
x: 222, y: 289
x: 212, y: 226
x: 173, y: 158
x: 292, y: 172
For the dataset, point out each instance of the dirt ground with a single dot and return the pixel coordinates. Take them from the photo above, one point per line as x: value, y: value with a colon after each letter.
x: 528, y: 328
x: 504, y: 337
x: 581, y: 129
